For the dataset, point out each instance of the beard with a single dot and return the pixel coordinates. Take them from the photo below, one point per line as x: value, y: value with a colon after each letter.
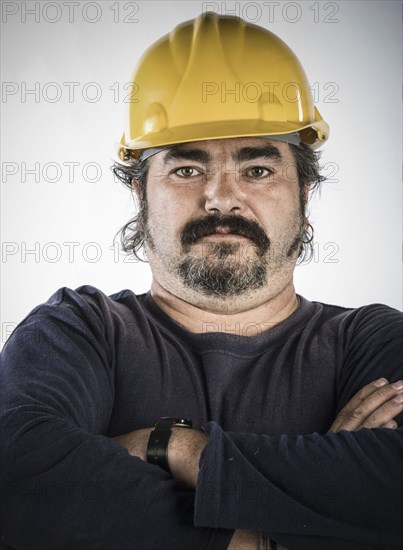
x: 227, y: 269
x: 221, y: 272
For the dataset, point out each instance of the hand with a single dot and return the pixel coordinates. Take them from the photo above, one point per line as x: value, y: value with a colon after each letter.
x: 374, y: 406
x: 244, y: 540
x: 247, y: 540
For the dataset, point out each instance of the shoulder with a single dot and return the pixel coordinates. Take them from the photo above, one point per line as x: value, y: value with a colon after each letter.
x: 369, y: 340
x: 357, y: 338
x: 83, y: 310
x: 368, y: 344
x: 372, y: 320
x: 86, y: 296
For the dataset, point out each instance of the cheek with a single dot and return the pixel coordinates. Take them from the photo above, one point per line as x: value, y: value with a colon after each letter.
x: 173, y: 206
x: 277, y: 209
x: 166, y: 218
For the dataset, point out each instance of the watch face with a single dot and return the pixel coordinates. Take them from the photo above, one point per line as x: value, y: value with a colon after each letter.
x: 174, y: 422
x: 183, y: 422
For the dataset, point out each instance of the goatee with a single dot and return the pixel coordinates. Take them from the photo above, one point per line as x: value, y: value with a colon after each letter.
x: 224, y: 269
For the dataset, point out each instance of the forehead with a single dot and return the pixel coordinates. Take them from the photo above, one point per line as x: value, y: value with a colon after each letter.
x: 228, y: 148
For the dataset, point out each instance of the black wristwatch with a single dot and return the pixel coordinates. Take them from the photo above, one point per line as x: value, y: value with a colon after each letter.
x: 157, y: 448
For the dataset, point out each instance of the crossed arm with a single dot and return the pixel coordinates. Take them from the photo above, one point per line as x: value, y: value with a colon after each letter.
x: 374, y: 406
x: 65, y: 484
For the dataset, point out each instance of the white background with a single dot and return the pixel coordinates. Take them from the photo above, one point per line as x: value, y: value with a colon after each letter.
x: 351, y: 50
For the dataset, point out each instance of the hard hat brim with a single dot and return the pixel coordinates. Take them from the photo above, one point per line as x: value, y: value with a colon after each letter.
x: 313, y: 135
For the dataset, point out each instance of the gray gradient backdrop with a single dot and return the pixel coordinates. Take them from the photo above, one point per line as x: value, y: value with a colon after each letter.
x: 67, y: 214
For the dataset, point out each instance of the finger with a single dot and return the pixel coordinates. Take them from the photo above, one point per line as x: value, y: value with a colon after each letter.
x: 352, y: 417
x: 391, y: 424
x: 357, y: 399
x: 385, y: 413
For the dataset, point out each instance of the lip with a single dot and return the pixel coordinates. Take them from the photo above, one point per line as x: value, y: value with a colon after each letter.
x: 223, y: 237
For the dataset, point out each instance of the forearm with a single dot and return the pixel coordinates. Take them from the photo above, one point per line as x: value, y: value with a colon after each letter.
x: 332, y: 491
x: 62, y: 483
x: 184, y: 451
x: 86, y: 491
x: 373, y: 406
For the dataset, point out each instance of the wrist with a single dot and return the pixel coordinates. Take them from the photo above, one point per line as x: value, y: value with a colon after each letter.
x: 244, y: 540
x: 157, y: 447
x: 184, y: 452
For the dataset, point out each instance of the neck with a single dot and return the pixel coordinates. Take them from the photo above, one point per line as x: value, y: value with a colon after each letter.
x: 244, y: 317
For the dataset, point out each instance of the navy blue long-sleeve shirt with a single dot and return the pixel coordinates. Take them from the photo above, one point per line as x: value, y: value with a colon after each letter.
x: 85, y: 367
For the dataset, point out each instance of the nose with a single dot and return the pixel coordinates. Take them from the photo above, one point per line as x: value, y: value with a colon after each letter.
x: 223, y: 195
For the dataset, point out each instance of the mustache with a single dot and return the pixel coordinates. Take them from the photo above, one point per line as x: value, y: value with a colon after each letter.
x: 207, y: 225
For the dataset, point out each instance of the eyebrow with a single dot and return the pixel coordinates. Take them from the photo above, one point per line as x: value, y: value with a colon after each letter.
x: 196, y: 155
x: 252, y: 153
x: 244, y: 154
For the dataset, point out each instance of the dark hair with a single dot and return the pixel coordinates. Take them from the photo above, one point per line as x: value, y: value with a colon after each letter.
x: 308, y: 171
x: 132, y: 233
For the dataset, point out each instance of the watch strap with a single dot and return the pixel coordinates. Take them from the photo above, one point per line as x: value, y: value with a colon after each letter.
x: 157, y: 448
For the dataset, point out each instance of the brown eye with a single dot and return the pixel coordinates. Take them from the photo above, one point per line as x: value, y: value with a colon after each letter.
x: 258, y: 172
x: 187, y: 172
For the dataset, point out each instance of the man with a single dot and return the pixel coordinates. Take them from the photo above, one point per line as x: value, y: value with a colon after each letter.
x: 294, y: 404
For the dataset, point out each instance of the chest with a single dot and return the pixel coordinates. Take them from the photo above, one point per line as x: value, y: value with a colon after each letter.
x: 288, y: 388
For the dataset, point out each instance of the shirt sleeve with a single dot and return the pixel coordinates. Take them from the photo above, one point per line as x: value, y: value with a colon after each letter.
x: 63, y: 484
x: 319, y: 490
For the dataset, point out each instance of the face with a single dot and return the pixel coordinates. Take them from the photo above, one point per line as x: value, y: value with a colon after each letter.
x: 224, y: 216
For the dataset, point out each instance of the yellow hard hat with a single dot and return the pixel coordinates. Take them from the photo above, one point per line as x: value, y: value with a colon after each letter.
x: 218, y: 77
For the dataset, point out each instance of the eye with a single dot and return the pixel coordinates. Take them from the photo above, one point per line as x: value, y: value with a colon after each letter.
x: 258, y: 172
x: 187, y: 172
